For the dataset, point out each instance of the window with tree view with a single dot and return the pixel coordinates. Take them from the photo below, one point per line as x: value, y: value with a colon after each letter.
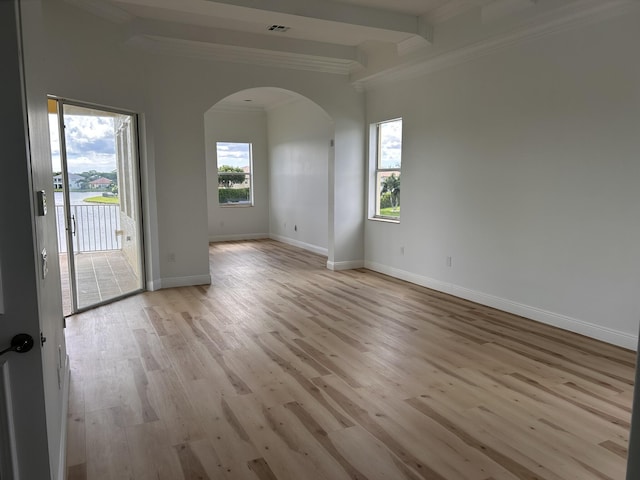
x: 235, y: 183
x: 388, y: 159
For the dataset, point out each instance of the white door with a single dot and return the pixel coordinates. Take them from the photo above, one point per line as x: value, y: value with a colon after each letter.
x: 98, y: 205
x: 28, y: 387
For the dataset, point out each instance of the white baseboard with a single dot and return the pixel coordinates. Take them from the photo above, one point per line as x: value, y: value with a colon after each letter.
x: 172, y: 282
x: 349, y: 265
x: 564, y: 322
x: 62, y: 455
x: 241, y: 236
x: 153, y: 285
x: 303, y: 245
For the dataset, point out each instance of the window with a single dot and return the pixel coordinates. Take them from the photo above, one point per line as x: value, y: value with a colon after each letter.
x: 235, y: 185
x: 387, y: 155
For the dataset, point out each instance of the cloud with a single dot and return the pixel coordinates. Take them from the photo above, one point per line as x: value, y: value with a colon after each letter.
x: 90, y: 143
x: 391, y: 144
x: 233, y: 154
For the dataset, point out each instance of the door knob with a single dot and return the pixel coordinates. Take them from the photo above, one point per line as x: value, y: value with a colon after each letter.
x: 21, y: 343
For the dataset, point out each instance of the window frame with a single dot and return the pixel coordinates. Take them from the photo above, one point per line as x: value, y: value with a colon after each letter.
x: 249, y: 175
x: 376, y: 169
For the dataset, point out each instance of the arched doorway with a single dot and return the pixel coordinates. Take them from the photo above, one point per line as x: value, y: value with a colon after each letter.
x: 268, y: 153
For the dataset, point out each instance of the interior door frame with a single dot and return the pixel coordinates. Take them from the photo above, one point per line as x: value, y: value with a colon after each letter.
x: 71, y: 264
x: 135, y: 147
x: 25, y: 451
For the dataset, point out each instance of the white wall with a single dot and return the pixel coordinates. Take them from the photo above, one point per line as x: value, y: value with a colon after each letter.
x: 519, y: 165
x: 248, y: 126
x: 523, y: 166
x: 87, y: 61
x: 299, y: 152
x: 186, y: 88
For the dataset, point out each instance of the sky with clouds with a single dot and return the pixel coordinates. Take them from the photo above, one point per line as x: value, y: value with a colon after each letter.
x: 91, y: 145
x: 233, y: 154
x: 90, y: 142
x: 390, y: 144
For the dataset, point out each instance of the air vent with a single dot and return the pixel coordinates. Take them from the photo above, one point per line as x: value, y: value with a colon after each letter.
x: 278, y: 28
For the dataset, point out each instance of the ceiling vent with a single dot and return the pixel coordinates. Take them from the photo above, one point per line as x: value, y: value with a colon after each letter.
x: 278, y: 28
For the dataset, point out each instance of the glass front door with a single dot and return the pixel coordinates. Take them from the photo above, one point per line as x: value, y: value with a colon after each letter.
x: 95, y: 175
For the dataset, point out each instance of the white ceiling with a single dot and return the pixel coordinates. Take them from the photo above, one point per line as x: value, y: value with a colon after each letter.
x: 263, y: 98
x: 359, y: 38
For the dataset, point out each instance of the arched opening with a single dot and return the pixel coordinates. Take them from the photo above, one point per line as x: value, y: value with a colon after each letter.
x: 269, y: 153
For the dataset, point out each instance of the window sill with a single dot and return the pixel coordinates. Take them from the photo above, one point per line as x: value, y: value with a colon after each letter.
x: 235, y: 205
x: 384, y: 219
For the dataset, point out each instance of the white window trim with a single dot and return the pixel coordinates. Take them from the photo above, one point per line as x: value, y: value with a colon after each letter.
x: 251, y: 201
x: 373, y: 173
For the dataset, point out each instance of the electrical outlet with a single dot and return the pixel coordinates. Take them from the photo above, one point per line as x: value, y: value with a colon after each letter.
x: 448, y: 261
x: 171, y: 257
x: 401, y: 250
x: 295, y: 228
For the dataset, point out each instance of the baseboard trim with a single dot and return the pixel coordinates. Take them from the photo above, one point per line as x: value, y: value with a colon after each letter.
x: 348, y: 265
x: 297, y: 243
x: 62, y: 455
x: 153, y: 285
x: 564, y: 322
x: 240, y: 236
x: 172, y: 282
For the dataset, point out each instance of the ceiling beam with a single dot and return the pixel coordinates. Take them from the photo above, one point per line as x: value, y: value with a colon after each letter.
x: 103, y: 10
x: 280, y: 11
x: 334, y: 12
x: 232, y: 38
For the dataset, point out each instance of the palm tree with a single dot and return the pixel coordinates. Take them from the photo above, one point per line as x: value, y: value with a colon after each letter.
x: 391, y: 184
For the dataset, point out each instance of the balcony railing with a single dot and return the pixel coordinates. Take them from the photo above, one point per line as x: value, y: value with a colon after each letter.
x: 95, y: 228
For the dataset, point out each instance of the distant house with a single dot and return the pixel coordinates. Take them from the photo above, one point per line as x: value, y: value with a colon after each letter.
x: 100, y: 183
x: 75, y: 181
x: 57, y: 182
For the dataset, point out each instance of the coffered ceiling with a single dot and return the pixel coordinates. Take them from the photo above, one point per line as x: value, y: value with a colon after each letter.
x: 363, y: 39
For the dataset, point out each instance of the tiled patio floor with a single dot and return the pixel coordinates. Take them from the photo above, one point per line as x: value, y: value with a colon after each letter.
x: 101, y: 276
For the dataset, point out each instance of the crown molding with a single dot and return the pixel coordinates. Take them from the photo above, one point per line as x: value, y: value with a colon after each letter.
x: 246, y: 55
x: 579, y: 14
x: 234, y: 38
x: 103, y: 10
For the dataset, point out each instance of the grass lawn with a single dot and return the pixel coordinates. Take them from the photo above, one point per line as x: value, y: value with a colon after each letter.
x: 390, y: 212
x: 109, y: 200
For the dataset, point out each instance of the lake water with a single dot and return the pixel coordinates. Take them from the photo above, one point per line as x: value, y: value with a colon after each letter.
x: 76, y: 198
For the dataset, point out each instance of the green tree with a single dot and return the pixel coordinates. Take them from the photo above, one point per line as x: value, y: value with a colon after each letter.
x: 113, y: 176
x: 229, y: 176
x: 391, y: 184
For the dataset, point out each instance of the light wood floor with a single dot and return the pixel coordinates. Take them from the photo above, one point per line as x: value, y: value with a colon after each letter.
x: 282, y: 369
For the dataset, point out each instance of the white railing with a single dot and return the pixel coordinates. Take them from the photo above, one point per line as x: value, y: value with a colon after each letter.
x: 95, y: 228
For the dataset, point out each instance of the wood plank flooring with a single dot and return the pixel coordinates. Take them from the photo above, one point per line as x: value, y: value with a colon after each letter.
x: 282, y: 369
